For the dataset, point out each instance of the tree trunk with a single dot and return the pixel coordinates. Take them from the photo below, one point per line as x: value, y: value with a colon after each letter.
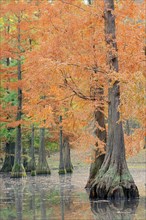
x: 31, y: 167
x: 114, y: 180
x: 127, y: 127
x: 67, y: 159
x: 98, y: 156
x: 97, y: 93
x: 9, y: 157
x: 61, y: 163
x: 42, y: 167
x: 18, y: 169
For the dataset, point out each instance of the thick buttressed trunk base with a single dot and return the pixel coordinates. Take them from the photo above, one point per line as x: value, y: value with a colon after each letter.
x: 67, y: 158
x: 9, y: 158
x: 31, y: 166
x: 94, y: 170
x: 61, y: 171
x: 43, y: 168
x: 116, y: 183
x: 18, y: 171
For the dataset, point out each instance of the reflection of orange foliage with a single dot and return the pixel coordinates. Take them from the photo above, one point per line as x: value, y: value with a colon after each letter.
x: 135, y: 142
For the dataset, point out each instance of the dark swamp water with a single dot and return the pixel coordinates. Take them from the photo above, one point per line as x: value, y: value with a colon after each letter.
x: 60, y: 198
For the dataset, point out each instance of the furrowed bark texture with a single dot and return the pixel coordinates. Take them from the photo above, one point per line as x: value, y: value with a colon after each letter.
x: 18, y: 169
x: 101, y: 135
x: 31, y: 164
x: 61, y: 162
x: 42, y: 167
x: 97, y: 92
x: 9, y: 157
x: 114, y: 180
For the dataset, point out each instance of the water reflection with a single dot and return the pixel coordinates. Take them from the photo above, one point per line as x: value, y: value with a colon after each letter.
x: 109, y: 210
x: 59, y: 198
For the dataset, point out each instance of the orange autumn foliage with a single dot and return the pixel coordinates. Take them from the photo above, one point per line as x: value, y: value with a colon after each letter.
x: 68, y: 58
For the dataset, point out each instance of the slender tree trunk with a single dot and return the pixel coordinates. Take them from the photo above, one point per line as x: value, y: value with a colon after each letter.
x: 67, y: 159
x: 18, y: 169
x: 98, y: 156
x: 114, y: 180
x: 61, y: 163
x: 42, y: 167
x: 31, y: 167
x: 127, y: 127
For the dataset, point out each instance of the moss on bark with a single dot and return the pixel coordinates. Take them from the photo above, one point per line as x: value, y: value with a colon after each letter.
x: 33, y: 173
x: 18, y: 171
x: 94, y: 170
x: 61, y: 171
x: 9, y: 157
x: 112, y: 185
x: 43, y: 168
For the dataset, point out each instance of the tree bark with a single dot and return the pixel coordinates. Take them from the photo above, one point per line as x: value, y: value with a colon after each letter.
x: 67, y: 159
x: 97, y: 93
x: 98, y: 156
x: 18, y: 169
x: 42, y: 167
x: 31, y: 167
x: 114, y: 180
x: 61, y: 163
x: 9, y: 157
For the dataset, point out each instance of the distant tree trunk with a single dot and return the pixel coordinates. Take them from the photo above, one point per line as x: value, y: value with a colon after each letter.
x: 31, y: 167
x: 127, y: 127
x: 9, y: 157
x: 61, y: 163
x: 18, y: 169
x: 114, y: 180
x: 42, y: 167
x: 67, y: 159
